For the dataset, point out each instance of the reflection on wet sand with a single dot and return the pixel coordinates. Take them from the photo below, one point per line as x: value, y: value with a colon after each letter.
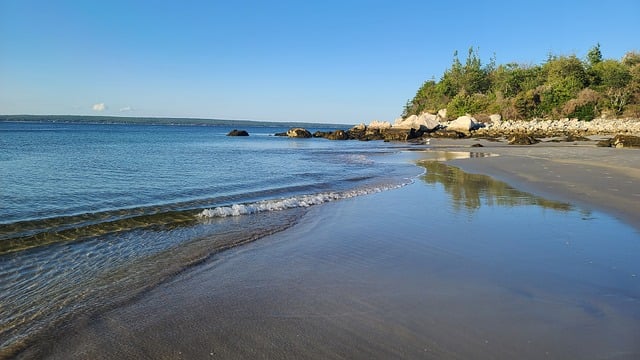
x: 469, y: 191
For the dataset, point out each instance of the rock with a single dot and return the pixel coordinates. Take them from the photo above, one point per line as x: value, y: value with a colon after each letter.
x: 428, y: 121
x: 395, y: 134
x: 495, y: 118
x: 446, y: 133
x: 442, y: 114
x: 321, y: 134
x: 522, y: 139
x: 463, y: 124
x: 298, y: 133
x: 406, y: 123
x: 562, y: 127
x: 424, y: 122
x: 338, y: 135
x: 379, y: 125
x: 236, y: 132
x: 280, y: 134
x: 625, y: 141
x: 604, y: 143
x: 477, y: 145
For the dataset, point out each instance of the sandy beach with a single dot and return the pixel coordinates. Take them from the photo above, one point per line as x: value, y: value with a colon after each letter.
x: 606, y: 179
x: 544, y: 267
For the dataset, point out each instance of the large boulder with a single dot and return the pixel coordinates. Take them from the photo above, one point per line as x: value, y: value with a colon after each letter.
x: 442, y: 114
x: 424, y: 122
x: 338, y: 135
x: 236, y: 132
x: 298, y: 133
x: 406, y: 123
x: 464, y: 124
x: 379, y: 125
x: 522, y: 139
x: 428, y: 122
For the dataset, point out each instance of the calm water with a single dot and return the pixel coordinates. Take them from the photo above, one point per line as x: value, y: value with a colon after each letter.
x: 91, y: 215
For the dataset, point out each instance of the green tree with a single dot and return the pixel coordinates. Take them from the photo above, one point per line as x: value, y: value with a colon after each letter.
x: 430, y: 97
x: 594, y: 56
x: 611, y: 74
x: 512, y: 79
x: 469, y: 78
x: 612, y: 78
x: 561, y: 86
x: 568, y: 70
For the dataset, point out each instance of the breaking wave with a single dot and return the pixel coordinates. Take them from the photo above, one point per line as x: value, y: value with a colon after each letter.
x: 292, y: 202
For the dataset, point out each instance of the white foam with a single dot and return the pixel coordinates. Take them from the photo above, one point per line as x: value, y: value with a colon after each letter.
x: 291, y: 202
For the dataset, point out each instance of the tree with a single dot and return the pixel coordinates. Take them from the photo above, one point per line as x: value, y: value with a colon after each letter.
x: 594, y: 56
x: 430, y: 97
x: 562, y: 86
x: 611, y: 74
x: 470, y: 78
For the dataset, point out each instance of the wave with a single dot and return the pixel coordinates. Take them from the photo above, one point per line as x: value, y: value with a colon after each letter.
x: 35, y: 233
x: 301, y: 201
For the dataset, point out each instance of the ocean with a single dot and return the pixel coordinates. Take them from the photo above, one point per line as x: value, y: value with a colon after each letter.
x: 93, y: 215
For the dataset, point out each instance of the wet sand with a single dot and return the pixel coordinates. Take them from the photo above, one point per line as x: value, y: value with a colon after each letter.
x: 409, y: 274
x: 605, y: 179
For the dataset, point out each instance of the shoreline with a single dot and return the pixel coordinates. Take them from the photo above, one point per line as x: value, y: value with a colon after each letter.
x: 342, y: 282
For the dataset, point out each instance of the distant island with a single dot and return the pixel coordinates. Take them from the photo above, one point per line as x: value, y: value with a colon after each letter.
x: 562, y: 87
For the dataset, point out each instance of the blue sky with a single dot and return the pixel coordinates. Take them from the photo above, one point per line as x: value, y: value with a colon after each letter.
x: 327, y: 61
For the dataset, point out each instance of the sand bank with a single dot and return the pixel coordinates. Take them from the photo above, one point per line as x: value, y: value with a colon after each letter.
x: 454, y: 266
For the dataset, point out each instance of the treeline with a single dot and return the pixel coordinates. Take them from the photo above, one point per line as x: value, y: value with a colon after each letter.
x: 564, y: 86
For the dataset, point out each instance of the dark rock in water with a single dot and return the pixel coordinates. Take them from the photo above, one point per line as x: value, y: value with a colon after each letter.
x: 449, y: 134
x: 235, y: 132
x: 477, y: 145
x: 522, y: 139
x: 321, y: 134
x: 338, y: 135
x: 333, y: 135
x: 299, y: 133
x: 280, y: 134
x: 605, y: 143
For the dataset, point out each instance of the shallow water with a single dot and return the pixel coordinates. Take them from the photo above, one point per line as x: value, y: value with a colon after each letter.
x: 91, y: 216
x: 453, y: 266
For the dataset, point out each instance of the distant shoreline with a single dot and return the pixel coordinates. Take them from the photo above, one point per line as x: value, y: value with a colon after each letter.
x: 92, y: 119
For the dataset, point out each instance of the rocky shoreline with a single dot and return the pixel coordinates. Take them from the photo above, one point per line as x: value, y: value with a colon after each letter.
x: 624, y: 132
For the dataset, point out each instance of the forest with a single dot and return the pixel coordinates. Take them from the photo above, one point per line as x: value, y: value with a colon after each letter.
x: 561, y: 87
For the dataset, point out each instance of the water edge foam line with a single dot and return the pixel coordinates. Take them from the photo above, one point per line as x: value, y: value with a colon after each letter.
x: 292, y: 202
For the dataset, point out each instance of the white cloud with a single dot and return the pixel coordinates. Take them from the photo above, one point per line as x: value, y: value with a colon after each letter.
x: 99, y: 107
x: 126, y: 108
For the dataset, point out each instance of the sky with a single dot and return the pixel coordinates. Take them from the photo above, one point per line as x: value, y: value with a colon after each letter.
x: 309, y: 61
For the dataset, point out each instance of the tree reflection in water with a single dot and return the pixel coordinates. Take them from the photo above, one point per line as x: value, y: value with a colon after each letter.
x: 470, y: 191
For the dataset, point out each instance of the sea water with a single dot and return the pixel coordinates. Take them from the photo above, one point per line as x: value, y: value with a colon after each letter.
x: 93, y: 214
